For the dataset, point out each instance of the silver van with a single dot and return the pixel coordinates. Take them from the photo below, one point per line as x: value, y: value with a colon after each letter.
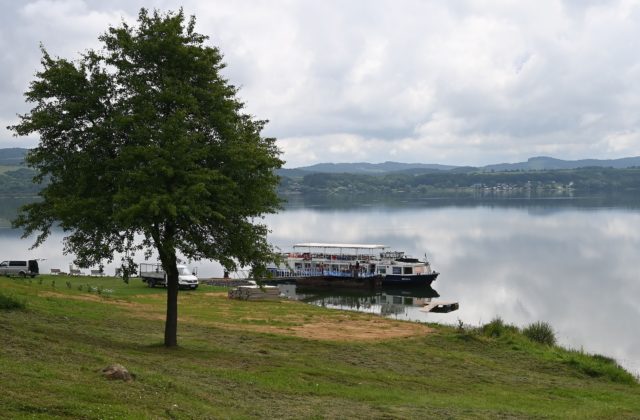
x: 19, y: 268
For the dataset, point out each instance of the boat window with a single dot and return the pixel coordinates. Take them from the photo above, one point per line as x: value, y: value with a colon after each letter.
x: 397, y: 270
x: 408, y: 270
x: 382, y: 270
x: 397, y: 300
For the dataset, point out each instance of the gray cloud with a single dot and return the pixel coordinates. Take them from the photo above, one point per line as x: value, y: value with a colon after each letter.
x: 464, y: 82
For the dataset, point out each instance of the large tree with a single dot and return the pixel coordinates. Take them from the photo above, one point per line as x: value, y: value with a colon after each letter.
x: 145, y: 146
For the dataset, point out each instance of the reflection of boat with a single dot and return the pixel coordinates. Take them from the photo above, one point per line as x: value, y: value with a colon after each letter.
x: 349, y: 262
x: 314, y: 291
x: 384, y: 301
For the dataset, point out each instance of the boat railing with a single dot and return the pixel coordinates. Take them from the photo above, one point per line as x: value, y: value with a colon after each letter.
x: 280, y: 273
x: 329, y: 257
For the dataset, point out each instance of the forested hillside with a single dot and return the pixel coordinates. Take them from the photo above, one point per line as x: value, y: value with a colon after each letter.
x: 583, y: 180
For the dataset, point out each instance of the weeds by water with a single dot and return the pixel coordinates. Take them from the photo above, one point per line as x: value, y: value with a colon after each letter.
x: 539, y: 336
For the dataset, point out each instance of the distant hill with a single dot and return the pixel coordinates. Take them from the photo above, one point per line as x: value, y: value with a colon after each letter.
x: 363, y: 168
x: 539, y: 163
x: 13, y: 156
x: 371, y: 168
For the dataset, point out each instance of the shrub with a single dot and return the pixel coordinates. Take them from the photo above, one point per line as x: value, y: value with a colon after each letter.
x: 8, y: 303
x: 497, y: 328
x: 540, y: 332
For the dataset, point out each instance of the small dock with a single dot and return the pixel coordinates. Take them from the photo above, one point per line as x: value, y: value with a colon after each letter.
x: 254, y: 292
x: 440, y: 307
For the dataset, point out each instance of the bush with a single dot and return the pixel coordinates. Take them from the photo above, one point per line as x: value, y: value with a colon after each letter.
x: 8, y: 303
x: 497, y: 328
x: 540, y: 332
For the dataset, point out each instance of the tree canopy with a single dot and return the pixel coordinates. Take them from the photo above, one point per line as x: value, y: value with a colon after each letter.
x: 145, y: 146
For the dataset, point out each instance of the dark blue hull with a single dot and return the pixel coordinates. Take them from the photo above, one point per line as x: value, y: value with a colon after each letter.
x: 409, y: 280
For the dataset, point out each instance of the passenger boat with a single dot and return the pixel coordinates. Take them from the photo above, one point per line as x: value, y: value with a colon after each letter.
x: 354, y: 261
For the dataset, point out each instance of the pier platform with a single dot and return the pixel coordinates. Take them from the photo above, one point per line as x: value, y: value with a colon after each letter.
x: 440, y: 307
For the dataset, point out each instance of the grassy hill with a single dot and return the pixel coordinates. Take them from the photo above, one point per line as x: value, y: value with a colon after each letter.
x: 276, y: 360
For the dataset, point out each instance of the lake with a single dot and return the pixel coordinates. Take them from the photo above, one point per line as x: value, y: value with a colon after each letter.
x: 573, y: 263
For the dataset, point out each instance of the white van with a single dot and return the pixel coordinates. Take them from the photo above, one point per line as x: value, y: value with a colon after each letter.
x: 154, y: 275
x: 19, y: 268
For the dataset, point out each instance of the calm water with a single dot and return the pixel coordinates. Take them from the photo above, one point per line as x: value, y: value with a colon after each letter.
x: 575, y: 267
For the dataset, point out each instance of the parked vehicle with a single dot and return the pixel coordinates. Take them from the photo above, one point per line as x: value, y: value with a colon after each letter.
x: 19, y: 268
x: 154, y: 275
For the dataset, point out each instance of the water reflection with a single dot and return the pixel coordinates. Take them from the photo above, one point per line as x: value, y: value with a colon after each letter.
x: 403, y: 304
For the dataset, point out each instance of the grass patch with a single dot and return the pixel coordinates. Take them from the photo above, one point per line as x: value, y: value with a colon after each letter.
x: 9, y: 303
x: 598, y: 366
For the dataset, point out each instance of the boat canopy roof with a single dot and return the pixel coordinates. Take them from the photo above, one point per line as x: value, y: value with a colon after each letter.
x: 350, y: 246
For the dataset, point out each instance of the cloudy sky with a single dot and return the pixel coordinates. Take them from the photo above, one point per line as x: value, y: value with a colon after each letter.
x: 455, y: 82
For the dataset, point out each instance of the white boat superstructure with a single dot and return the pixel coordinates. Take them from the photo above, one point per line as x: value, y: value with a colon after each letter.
x: 358, y: 261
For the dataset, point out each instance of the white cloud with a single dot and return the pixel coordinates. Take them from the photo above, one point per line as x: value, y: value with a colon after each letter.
x: 449, y: 82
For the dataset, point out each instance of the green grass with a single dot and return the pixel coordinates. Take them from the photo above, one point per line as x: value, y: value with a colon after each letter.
x: 236, y: 360
x: 9, y: 303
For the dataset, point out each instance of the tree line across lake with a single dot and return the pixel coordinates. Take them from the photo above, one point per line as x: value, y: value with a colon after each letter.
x: 17, y: 181
x: 581, y: 180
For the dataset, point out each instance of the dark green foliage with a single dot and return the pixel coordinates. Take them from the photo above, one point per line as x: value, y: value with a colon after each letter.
x: 8, y: 303
x: 146, y: 147
x: 540, y: 332
x: 497, y: 328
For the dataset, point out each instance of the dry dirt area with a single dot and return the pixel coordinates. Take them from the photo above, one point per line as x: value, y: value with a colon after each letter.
x: 359, y: 330
x: 341, y: 328
x: 332, y: 330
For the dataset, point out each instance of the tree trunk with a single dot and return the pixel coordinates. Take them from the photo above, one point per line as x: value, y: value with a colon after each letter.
x: 167, y: 253
x: 171, y: 323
